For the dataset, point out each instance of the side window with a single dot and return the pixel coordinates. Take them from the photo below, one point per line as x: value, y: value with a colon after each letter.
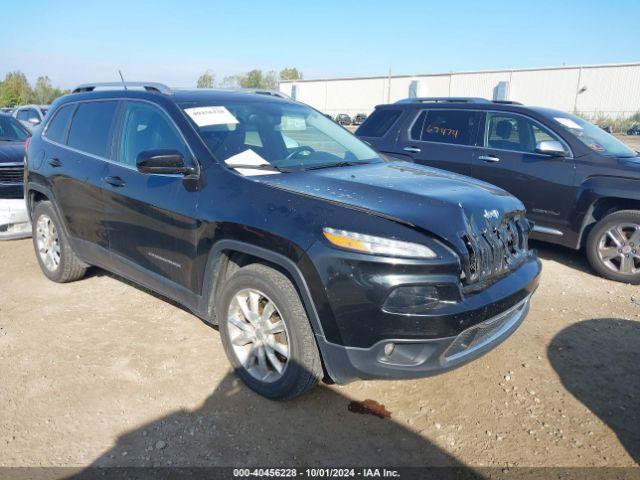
x: 449, y: 126
x: 23, y: 115
x: 379, y: 123
x: 145, y: 127
x: 91, y: 127
x: 513, y: 132
x: 542, y: 135
x: 57, y: 127
x: 32, y: 114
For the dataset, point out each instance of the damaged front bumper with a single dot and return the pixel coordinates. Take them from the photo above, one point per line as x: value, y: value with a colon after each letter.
x: 406, y: 359
x: 14, y: 219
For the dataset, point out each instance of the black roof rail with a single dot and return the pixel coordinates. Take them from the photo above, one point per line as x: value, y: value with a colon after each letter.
x: 148, y: 86
x: 507, y: 102
x: 264, y: 91
x: 444, y: 100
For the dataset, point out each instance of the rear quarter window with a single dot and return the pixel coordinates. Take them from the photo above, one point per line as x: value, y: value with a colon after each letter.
x: 91, y: 127
x: 58, y: 125
x: 379, y: 123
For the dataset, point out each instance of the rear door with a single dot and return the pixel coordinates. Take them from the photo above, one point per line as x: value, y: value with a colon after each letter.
x: 507, y: 158
x: 148, y: 236
x: 441, y: 138
x: 76, y: 158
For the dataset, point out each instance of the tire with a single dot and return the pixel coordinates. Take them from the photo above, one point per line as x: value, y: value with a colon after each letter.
x: 301, y: 368
x: 613, y: 246
x: 57, y: 259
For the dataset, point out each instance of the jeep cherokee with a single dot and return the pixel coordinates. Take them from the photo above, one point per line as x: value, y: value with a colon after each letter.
x: 316, y: 257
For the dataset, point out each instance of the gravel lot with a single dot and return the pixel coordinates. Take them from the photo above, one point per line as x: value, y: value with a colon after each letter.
x: 100, y: 372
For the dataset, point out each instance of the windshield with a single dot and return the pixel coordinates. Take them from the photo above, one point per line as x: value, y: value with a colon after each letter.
x: 11, y: 130
x: 285, y: 136
x: 594, y: 137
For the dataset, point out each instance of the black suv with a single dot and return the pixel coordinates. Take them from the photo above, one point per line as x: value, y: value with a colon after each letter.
x: 580, y: 185
x: 314, y: 255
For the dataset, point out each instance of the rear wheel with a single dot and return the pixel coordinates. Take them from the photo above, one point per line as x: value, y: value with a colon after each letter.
x: 266, y: 333
x: 53, y: 251
x: 613, y: 246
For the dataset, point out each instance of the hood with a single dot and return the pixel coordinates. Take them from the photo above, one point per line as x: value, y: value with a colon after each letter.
x: 443, y: 203
x: 11, y: 152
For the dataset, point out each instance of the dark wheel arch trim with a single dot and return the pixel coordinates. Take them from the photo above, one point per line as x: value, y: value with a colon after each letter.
x: 211, y: 287
x: 212, y: 276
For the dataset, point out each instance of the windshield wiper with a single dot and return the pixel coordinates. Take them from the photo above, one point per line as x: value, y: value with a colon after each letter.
x: 272, y: 168
x: 337, y: 164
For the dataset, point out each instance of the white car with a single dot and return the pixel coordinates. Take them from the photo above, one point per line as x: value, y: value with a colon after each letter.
x: 30, y: 115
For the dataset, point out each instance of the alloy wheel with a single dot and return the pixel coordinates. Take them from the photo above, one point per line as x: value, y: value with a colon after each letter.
x: 48, y: 243
x: 619, y: 248
x: 258, y: 335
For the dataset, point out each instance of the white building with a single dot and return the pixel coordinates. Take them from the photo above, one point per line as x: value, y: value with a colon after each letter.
x: 592, y: 90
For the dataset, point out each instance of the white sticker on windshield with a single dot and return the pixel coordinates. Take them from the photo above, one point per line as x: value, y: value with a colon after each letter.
x: 206, y: 116
x: 248, y: 159
x: 567, y: 122
x: 290, y: 122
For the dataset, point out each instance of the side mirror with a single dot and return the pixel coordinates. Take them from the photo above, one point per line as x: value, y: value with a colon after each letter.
x: 551, y: 147
x: 162, y: 162
x: 34, y: 121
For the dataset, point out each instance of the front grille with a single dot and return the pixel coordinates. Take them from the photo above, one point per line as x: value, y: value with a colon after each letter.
x: 11, y: 174
x: 485, y: 332
x: 495, y: 249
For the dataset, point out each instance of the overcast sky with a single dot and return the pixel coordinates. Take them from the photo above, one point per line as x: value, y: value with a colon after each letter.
x: 175, y: 41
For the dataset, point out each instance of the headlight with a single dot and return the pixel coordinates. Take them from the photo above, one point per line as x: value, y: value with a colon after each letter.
x: 376, y: 245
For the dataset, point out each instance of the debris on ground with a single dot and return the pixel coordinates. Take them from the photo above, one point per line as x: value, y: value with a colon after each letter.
x: 369, y: 407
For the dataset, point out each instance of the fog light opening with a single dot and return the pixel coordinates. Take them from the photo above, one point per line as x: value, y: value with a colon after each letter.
x: 389, y: 349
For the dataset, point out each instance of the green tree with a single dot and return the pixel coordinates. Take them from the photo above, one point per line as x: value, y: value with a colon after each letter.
x: 290, y: 74
x: 258, y: 79
x: 232, y: 81
x: 15, y: 90
x: 43, y: 92
x: 206, y: 80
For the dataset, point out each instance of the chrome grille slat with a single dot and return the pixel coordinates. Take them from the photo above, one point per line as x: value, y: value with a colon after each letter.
x: 485, y: 332
x: 494, y: 249
x: 11, y: 174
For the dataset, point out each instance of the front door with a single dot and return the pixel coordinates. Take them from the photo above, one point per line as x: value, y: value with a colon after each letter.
x: 148, y: 237
x: 507, y: 157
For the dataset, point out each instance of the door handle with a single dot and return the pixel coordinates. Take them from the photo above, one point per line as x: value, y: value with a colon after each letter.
x: 115, y: 181
x: 489, y: 158
x: 55, y: 162
x: 412, y: 149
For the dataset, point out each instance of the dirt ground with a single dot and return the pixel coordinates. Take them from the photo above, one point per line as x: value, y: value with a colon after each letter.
x: 100, y: 372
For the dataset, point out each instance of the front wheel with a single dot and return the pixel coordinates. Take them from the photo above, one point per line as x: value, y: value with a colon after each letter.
x: 266, y: 333
x: 57, y: 259
x: 613, y: 247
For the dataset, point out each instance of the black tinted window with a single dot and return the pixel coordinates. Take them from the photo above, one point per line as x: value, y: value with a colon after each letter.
x: 145, y: 127
x: 449, y: 126
x: 91, y: 127
x: 58, y: 125
x: 378, y: 123
x: 11, y: 130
